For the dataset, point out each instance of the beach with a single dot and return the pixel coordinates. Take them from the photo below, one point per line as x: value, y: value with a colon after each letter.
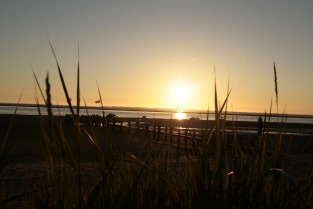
x: 25, y: 142
x: 26, y: 157
x: 26, y: 145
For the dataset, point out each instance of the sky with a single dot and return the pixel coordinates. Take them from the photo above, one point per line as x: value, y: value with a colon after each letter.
x: 165, y: 53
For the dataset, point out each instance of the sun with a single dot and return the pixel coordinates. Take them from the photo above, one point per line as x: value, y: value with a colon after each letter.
x: 180, y: 92
x: 180, y: 115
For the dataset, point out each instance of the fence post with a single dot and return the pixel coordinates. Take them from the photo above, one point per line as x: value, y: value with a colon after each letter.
x: 159, y: 132
x: 178, y: 143
x: 121, y: 126
x: 186, y: 138
x: 154, y: 130
x: 194, y: 140
x: 129, y: 127
x: 186, y: 144
x: 171, y: 134
x: 165, y: 134
x: 202, y: 137
x: 113, y: 125
x: 146, y: 129
x: 137, y: 128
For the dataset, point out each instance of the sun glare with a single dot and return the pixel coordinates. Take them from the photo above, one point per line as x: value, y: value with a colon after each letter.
x: 180, y: 116
x: 180, y: 92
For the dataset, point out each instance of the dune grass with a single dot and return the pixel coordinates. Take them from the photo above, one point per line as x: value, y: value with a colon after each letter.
x: 221, y: 176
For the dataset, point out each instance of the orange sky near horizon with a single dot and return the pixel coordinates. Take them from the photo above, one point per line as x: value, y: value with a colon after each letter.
x: 162, y: 53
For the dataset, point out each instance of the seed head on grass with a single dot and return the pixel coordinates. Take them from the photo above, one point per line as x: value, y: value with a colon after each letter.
x: 276, y: 85
x: 49, y: 105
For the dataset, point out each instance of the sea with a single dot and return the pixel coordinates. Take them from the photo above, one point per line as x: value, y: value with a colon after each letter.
x: 155, y: 113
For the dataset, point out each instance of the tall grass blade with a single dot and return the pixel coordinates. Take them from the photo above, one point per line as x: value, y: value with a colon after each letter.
x: 276, y: 85
x: 78, y: 87
x: 279, y: 151
x: 104, y: 122
x: 63, y: 82
x: 224, y: 103
x: 43, y: 97
x: 108, y: 165
x: 218, y: 173
x: 49, y: 110
x: 57, y: 129
x: 78, y: 134
x: 100, y: 98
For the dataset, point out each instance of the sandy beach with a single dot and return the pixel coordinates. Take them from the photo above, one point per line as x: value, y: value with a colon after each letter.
x: 26, y: 156
x: 26, y: 143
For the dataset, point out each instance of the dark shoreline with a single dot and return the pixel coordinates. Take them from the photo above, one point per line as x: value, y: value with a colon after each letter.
x: 26, y: 143
x: 20, y: 119
x: 26, y: 160
x: 161, y: 110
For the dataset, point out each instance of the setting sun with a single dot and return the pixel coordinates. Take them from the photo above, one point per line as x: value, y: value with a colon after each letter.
x: 183, y: 94
x: 180, y: 92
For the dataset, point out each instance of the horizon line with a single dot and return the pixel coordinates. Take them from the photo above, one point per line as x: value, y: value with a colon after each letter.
x: 158, y: 109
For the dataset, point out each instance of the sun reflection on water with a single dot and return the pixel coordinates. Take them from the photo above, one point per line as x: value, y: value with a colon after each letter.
x: 180, y: 115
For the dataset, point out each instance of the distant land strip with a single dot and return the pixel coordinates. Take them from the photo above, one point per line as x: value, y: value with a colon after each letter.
x: 153, y: 109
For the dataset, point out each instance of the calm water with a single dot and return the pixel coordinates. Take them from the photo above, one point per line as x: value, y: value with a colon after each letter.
x: 166, y: 115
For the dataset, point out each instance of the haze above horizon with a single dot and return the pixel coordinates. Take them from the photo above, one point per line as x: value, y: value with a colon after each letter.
x: 161, y: 54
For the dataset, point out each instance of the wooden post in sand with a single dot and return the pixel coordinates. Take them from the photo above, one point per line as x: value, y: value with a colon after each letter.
x: 159, y: 132
x: 146, y: 129
x: 186, y: 137
x: 202, y: 137
x: 171, y: 134
x: 121, y: 126
x: 165, y: 134
x: 194, y: 133
x: 178, y: 143
x: 137, y: 128
x: 154, y: 130
x: 113, y: 125
x: 186, y: 143
x: 194, y: 140
x: 129, y: 127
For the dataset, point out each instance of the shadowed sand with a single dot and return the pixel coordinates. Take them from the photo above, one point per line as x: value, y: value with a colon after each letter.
x: 26, y: 156
x: 26, y: 142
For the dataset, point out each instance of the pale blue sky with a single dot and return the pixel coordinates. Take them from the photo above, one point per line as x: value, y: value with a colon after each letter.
x: 138, y: 51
